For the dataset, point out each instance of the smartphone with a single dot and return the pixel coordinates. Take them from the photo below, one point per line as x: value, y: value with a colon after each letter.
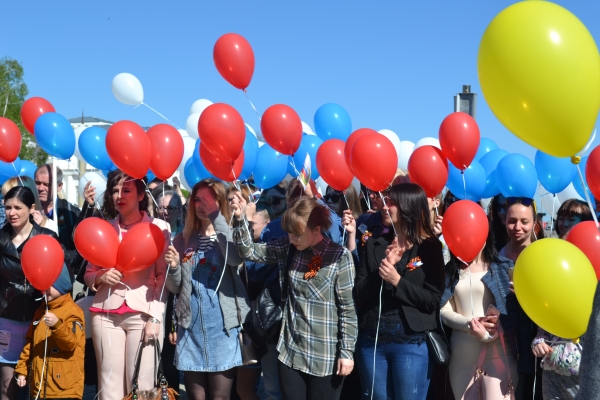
x: 511, y: 272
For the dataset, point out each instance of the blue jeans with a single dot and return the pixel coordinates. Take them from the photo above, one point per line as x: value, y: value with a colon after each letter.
x: 402, y: 371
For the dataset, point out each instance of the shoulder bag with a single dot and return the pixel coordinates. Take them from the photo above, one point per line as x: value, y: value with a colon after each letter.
x: 250, y: 354
x: 161, y: 389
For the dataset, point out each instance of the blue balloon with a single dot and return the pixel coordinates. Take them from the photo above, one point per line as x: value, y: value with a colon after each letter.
x: 198, y: 164
x: 250, y: 154
x: 27, y: 168
x: 92, y: 146
x: 489, y: 162
x: 332, y: 122
x: 55, y: 135
x: 190, y: 174
x: 290, y: 167
x: 577, y: 181
x: 485, y: 146
x: 150, y: 176
x: 309, y: 145
x: 8, y: 170
x: 554, y: 173
x: 270, y: 168
x: 472, y: 187
x: 516, y: 176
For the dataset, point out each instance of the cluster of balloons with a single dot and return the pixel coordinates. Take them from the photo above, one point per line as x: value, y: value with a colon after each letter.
x: 97, y: 241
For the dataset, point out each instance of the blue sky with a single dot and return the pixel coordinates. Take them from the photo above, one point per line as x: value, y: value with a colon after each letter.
x: 393, y: 65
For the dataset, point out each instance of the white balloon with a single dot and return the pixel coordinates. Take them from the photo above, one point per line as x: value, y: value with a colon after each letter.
x: 189, y: 145
x: 321, y: 186
x: 307, y: 129
x: 260, y: 144
x: 78, y: 131
x: 183, y: 133
x: 394, y: 139
x: 550, y: 202
x: 406, y: 150
x: 128, y: 89
x: 568, y: 193
x: 191, y: 125
x: 199, y: 106
x: 428, y: 141
x: 98, y: 181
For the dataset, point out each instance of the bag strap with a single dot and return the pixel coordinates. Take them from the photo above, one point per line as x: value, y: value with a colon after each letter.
x: 237, y: 306
x: 484, y: 351
x: 159, y: 377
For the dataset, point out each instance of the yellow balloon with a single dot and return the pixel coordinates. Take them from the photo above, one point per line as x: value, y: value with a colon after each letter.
x: 539, y: 71
x: 555, y: 285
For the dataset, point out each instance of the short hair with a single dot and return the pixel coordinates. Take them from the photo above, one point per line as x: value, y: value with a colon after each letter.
x: 400, y: 177
x: 47, y: 168
x: 306, y: 212
x: 572, y: 208
x: 264, y: 214
x: 293, y: 191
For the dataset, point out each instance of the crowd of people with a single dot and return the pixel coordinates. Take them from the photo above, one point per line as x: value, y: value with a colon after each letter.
x: 324, y: 296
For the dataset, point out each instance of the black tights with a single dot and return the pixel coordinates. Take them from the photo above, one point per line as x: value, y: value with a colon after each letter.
x: 209, y: 385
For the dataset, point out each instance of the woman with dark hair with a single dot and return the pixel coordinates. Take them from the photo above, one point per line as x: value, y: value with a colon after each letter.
x: 211, y: 298
x: 497, y: 212
x: 569, y: 214
x: 18, y: 298
x: 471, y: 291
x: 399, y: 283
x: 318, y: 332
x: 127, y: 308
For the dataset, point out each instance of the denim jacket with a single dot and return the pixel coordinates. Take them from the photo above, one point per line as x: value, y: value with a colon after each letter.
x: 515, y: 322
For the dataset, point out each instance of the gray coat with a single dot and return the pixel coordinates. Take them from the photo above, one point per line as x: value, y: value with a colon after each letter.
x: 179, y: 279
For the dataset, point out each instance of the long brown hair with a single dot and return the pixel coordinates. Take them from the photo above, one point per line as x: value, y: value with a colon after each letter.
x: 116, y: 176
x: 193, y: 223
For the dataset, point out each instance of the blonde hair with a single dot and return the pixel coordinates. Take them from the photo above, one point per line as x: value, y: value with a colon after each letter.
x: 193, y: 223
x: 306, y: 212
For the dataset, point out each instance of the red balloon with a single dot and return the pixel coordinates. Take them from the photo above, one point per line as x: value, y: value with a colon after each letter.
x: 97, y: 241
x: 222, y: 131
x: 32, y: 109
x: 223, y: 169
x: 350, y: 142
x: 282, y: 129
x: 129, y: 148
x: 465, y: 227
x: 459, y: 139
x: 234, y: 60
x: 586, y: 237
x: 374, y: 161
x: 331, y: 164
x: 166, y: 150
x: 10, y: 140
x: 141, y: 247
x: 428, y: 167
x: 592, y: 172
x: 42, y: 261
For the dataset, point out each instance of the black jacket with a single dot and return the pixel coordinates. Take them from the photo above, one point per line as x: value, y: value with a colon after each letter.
x: 418, y: 292
x: 68, y: 216
x: 17, y: 296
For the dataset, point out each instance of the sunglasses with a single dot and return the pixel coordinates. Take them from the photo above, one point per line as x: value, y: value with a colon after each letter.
x: 526, y: 201
x: 334, y: 197
x: 169, y: 209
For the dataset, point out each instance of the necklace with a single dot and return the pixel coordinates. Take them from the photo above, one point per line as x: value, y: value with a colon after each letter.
x: 127, y: 226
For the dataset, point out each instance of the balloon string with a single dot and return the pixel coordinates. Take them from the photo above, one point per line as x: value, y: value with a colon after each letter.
x: 587, y: 196
x: 387, y: 210
x: 293, y: 164
x: 235, y: 181
x: 587, y: 146
x: 464, y: 182
x: 367, y: 198
x: 252, y: 104
x: 45, y: 351
x: 347, y: 204
x: 552, y: 215
x: 165, y: 118
x: 225, y: 264
x: 18, y: 174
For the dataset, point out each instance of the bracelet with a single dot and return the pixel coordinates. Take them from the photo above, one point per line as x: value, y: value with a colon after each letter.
x: 537, y: 341
x: 154, y: 320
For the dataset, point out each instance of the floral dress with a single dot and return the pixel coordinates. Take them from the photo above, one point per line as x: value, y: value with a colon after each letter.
x: 206, y: 346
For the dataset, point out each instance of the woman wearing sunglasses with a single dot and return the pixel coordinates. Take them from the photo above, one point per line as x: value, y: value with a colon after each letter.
x: 521, y: 223
x: 561, y: 357
x: 408, y: 273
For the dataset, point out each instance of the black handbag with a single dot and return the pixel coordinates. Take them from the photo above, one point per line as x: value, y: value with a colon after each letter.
x: 267, y: 309
x: 438, y: 346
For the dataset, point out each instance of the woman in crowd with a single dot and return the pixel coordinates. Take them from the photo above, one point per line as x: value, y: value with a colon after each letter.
x: 470, y: 289
x: 405, y: 275
x: 338, y: 204
x: 170, y: 209
x: 319, y: 328
x: 38, y: 216
x: 521, y: 226
x: 127, y: 308
x: 208, y: 347
x: 18, y: 298
x: 561, y: 357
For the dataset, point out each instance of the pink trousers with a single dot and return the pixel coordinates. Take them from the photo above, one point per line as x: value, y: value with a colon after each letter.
x: 116, y: 342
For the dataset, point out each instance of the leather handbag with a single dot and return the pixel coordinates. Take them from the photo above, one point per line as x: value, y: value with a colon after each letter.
x: 161, y: 389
x: 438, y: 346
x: 485, y: 387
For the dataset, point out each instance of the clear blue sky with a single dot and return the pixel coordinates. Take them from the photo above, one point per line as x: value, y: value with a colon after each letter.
x: 393, y: 64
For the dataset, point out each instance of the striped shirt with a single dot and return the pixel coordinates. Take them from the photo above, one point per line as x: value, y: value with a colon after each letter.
x: 320, y: 323
x: 205, y: 243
